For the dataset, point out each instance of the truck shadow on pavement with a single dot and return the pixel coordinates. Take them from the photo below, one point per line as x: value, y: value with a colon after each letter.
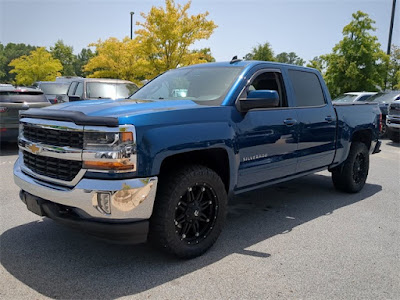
x: 60, y: 263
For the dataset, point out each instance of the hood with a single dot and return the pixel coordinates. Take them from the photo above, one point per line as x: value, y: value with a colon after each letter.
x: 124, y: 107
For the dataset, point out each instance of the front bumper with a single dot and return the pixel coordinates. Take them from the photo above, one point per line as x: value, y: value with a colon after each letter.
x: 393, y: 122
x: 130, y: 200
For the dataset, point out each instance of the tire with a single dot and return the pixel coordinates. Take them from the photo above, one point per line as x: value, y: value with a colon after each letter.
x: 189, y: 211
x: 350, y: 177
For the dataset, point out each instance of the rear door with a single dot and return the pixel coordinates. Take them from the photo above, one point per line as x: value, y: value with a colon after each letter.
x: 316, y: 120
x: 267, y: 138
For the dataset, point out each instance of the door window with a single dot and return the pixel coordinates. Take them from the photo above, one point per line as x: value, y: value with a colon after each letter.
x: 71, y: 89
x: 307, y: 88
x: 268, y: 81
x: 79, y: 89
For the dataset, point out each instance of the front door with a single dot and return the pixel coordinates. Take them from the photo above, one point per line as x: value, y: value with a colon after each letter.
x: 267, y: 138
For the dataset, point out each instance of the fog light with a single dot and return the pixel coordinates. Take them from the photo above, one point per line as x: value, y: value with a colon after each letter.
x: 104, y: 203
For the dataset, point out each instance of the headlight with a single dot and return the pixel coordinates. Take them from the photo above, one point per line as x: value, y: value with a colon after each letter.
x: 110, y: 149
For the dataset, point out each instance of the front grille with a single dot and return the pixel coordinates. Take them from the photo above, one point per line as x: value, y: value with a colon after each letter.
x: 394, y: 109
x: 52, y: 167
x: 61, y: 138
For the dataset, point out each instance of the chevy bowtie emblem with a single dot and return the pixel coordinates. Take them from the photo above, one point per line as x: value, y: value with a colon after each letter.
x: 34, y: 149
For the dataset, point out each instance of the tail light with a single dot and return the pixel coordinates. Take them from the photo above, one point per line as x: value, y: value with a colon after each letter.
x: 55, y: 100
x: 3, y: 109
x: 380, y: 122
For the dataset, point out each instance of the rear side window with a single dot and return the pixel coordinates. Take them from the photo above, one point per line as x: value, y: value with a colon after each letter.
x: 307, y: 88
x: 21, y: 97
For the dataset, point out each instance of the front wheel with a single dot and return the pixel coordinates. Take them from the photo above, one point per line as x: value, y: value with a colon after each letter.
x: 351, y: 176
x: 189, y: 211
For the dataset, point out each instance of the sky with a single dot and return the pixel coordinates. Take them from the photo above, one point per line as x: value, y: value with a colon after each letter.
x: 308, y: 27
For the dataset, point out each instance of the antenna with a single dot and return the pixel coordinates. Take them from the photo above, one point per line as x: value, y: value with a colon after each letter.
x: 235, y: 59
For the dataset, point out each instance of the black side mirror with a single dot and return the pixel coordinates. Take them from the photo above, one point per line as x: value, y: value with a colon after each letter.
x: 259, y: 99
x: 74, y: 98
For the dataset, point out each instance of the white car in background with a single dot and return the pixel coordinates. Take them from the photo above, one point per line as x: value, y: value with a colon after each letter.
x: 353, y: 97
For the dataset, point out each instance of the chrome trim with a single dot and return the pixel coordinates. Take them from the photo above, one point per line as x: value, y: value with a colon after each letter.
x: 55, y: 125
x: 131, y: 200
x: 66, y: 153
x: 28, y: 171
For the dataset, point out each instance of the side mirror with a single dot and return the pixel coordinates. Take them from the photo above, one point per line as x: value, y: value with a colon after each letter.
x: 259, y: 99
x: 74, y: 98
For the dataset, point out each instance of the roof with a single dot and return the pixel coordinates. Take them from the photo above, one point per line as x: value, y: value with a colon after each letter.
x: 108, y: 80
x: 360, y: 93
x: 249, y: 64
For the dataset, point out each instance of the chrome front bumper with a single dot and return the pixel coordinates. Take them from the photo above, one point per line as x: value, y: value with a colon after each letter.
x: 130, y: 199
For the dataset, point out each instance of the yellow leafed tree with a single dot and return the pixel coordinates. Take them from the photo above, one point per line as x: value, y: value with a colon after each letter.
x: 38, y: 66
x: 117, y: 59
x: 167, y: 33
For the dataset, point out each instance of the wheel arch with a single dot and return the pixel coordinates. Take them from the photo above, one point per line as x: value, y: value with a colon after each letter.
x: 216, y: 159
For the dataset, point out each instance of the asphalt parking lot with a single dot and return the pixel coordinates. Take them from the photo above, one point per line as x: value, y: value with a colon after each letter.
x: 296, y: 240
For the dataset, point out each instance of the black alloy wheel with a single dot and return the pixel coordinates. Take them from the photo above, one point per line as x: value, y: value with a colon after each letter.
x: 196, y: 213
x: 189, y: 211
x: 359, y: 168
x: 352, y: 174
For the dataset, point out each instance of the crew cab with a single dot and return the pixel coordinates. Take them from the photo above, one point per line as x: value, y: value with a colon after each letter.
x: 161, y: 165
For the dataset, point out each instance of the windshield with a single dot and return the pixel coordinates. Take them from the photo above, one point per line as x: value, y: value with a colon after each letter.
x: 384, y: 97
x: 345, y: 98
x: 205, y: 84
x: 110, y: 90
x: 54, y: 88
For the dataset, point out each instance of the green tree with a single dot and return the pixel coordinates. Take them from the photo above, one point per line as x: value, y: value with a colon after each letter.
x: 357, y: 62
x: 290, y: 58
x: 397, y: 86
x: 204, y: 54
x: 393, y: 76
x: 7, y: 54
x: 117, y: 59
x: 37, y: 66
x: 261, y: 52
x: 167, y: 33
x: 318, y: 63
x: 81, y: 60
x: 65, y: 55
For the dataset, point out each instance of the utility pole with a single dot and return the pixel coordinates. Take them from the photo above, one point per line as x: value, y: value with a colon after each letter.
x: 391, y: 28
x: 132, y: 13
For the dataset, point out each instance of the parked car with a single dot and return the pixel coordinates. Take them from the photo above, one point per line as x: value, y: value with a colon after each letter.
x: 67, y: 79
x: 393, y: 121
x: 384, y: 99
x: 53, y: 89
x: 12, y: 100
x: 100, y: 88
x: 162, y: 164
x: 353, y: 97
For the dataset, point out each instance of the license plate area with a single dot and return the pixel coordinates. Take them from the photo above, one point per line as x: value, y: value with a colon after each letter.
x: 34, y: 205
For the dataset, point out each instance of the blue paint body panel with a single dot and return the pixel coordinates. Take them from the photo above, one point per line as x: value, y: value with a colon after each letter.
x: 261, y: 149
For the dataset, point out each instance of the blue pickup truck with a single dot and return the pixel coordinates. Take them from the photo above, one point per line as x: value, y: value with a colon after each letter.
x: 162, y: 164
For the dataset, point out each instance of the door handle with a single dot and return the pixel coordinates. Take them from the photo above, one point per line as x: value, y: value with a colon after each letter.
x: 329, y: 119
x: 289, y: 122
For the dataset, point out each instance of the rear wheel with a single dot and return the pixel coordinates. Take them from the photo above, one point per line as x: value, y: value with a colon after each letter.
x: 189, y: 211
x: 351, y: 176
